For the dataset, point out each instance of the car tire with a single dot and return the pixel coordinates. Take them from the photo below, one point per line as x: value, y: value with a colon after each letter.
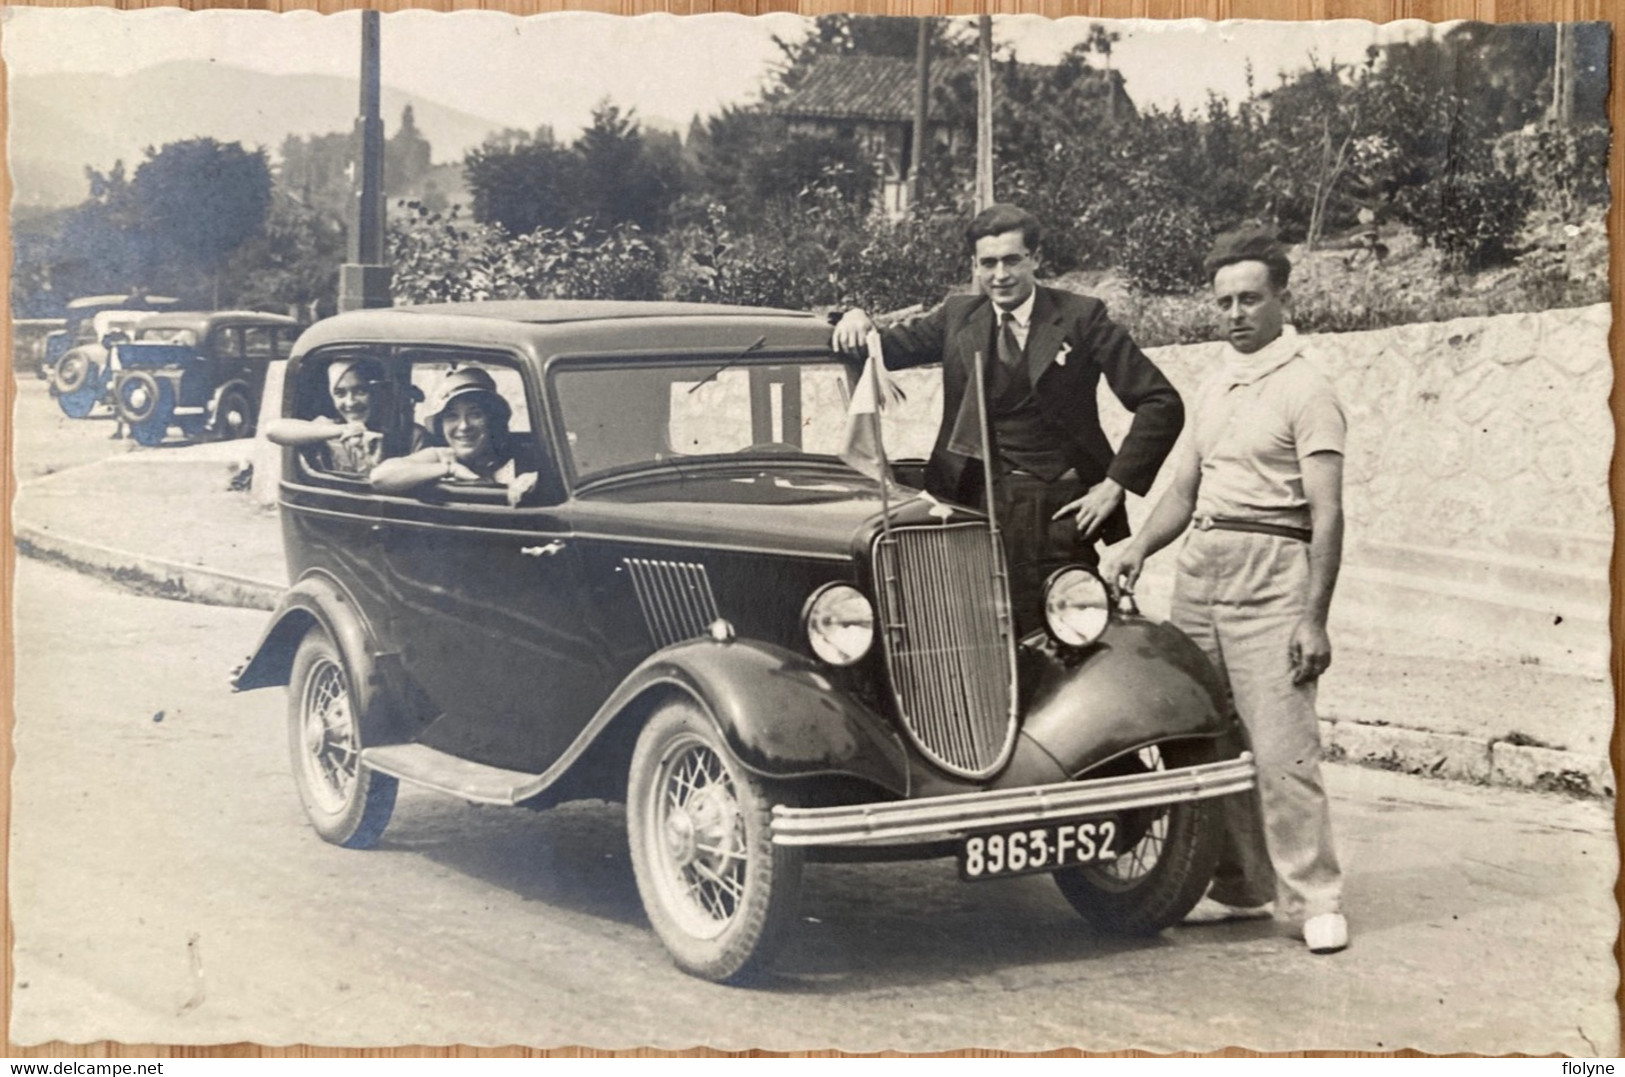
x: 717, y: 891
x: 1157, y: 879
x: 78, y: 385
x: 233, y: 415
x: 146, y: 404
x: 348, y: 804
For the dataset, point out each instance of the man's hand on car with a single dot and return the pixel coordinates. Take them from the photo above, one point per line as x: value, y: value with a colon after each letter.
x: 852, y: 333
x: 1121, y: 567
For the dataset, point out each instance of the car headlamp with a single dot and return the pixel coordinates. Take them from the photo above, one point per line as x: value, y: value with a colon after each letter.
x: 840, y: 624
x: 1076, y: 606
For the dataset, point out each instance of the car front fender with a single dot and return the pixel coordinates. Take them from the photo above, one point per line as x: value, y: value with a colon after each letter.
x: 1143, y: 683
x: 782, y: 714
x: 317, y: 599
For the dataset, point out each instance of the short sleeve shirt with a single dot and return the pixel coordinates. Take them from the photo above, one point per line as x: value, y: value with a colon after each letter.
x: 1250, y: 442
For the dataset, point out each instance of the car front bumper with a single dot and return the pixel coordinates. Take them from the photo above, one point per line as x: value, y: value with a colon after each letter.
x: 907, y: 822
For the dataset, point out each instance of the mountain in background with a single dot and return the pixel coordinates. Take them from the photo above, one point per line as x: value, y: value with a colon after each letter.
x: 62, y: 123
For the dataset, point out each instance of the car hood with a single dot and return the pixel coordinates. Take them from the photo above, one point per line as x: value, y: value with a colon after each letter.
x: 818, y: 512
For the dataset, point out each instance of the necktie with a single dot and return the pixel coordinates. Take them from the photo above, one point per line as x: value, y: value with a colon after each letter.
x: 1009, y: 347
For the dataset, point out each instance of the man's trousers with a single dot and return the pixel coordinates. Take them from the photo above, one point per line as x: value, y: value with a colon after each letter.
x: 1239, y: 595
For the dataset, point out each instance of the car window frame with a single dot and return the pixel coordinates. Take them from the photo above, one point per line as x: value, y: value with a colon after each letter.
x: 398, y: 358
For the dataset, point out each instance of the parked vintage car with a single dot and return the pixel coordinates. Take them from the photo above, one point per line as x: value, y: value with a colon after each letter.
x: 28, y: 338
x: 84, y: 375
x: 202, y: 373
x: 703, y: 612
x: 79, y: 329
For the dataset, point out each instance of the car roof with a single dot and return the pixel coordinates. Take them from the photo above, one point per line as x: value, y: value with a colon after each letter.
x: 205, y: 321
x: 88, y: 302
x: 545, y: 328
x: 554, y: 311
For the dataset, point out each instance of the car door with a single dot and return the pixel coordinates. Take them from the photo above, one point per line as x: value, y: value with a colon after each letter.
x: 489, y: 611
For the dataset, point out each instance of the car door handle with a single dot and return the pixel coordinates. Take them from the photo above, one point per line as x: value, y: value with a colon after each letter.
x: 542, y: 551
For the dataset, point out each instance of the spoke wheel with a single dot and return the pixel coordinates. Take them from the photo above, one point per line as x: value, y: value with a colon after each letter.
x: 147, y: 404
x: 1165, y: 859
x: 717, y: 891
x: 348, y: 804
x: 78, y: 385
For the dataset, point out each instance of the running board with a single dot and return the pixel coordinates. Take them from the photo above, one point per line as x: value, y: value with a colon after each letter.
x: 434, y: 769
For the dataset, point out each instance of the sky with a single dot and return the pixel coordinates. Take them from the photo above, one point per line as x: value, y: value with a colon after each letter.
x: 553, y: 69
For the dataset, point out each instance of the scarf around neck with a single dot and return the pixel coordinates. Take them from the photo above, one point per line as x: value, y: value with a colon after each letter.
x: 1242, y: 369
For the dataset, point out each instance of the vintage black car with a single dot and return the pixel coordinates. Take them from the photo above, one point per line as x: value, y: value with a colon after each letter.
x: 201, y: 373
x: 703, y: 612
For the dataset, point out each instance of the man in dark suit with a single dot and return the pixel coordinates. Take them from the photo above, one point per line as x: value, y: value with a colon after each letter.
x: 1059, y: 485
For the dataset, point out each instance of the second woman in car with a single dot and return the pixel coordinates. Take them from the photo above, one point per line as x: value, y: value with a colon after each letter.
x: 471, y: 418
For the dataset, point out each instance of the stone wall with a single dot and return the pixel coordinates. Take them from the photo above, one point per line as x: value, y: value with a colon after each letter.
x: 1462, y: 434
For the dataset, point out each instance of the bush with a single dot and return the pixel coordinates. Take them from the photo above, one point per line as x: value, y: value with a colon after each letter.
x: 1162, y: 250
x: 1472, y: 215
x: 439, y: 258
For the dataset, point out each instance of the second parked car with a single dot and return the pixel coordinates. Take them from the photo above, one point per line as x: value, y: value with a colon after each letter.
x: 201, y: 373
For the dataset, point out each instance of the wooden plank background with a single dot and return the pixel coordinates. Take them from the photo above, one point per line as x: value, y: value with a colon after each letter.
x: 1375, y: 10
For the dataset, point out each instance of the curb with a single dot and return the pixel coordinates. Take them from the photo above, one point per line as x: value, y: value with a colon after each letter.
x: 1369, y: 744
x: 1469, y: 759
x: 147, y: 575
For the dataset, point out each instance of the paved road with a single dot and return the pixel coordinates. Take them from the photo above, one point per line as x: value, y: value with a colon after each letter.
x: 45, y: 440
x: 166, y: 889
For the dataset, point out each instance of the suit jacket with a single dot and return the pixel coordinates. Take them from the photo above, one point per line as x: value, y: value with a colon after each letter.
x: 1064, y: 384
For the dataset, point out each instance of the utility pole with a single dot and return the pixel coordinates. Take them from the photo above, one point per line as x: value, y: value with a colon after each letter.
x: 1563, y: 75
x: 364, y: 280
x: 922, y: 114
x: 984, y: 112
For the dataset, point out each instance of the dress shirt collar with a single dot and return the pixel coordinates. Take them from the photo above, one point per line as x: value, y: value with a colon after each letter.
x: 1022, y: 315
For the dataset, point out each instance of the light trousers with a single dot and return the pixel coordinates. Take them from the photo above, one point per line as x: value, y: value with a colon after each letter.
x: 1239, y: 596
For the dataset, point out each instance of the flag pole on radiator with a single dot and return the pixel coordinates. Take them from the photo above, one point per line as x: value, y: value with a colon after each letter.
x: 980, y: 382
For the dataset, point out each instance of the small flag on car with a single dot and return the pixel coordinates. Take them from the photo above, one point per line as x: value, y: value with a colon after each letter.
x: 862, y: 446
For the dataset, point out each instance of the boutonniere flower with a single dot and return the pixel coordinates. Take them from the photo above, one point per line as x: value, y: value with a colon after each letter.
x: 1060, y: 356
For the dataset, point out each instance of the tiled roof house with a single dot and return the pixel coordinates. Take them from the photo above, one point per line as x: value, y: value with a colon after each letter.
x: 871, y: 98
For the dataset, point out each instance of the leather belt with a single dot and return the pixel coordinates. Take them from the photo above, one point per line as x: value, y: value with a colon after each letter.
x: 1225, y: 523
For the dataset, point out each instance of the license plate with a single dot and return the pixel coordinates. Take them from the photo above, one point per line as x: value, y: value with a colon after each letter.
x: 1025, y: 850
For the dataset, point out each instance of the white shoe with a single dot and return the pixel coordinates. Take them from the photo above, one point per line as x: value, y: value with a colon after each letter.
x: 1208, y: 911
x: 1326, y: 933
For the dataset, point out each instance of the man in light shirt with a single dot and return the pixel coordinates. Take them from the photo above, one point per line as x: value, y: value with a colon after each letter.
x: 1260, y: 482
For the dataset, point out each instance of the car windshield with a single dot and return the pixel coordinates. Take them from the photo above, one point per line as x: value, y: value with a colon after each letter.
x: 168, y: 336
x: 634, y: 415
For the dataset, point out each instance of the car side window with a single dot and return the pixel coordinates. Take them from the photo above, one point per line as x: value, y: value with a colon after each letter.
x: 257, y: 343
x: 285, y: 336
x: 447, y: 386
x: 351, y: 411
x: 227, y: 343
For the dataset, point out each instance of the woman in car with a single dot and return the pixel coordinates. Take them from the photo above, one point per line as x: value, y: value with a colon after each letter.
x: 356, y: 441
x: 470, y: 418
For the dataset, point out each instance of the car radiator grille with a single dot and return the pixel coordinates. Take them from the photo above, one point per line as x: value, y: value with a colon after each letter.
x: 675, y: 597
x: 949, y: 643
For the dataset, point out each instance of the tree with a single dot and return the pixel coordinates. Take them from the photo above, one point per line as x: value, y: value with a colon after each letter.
x: 624, y: 175
x: 521, y: 183
x: 199, y: 200
x: 293, y: 261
